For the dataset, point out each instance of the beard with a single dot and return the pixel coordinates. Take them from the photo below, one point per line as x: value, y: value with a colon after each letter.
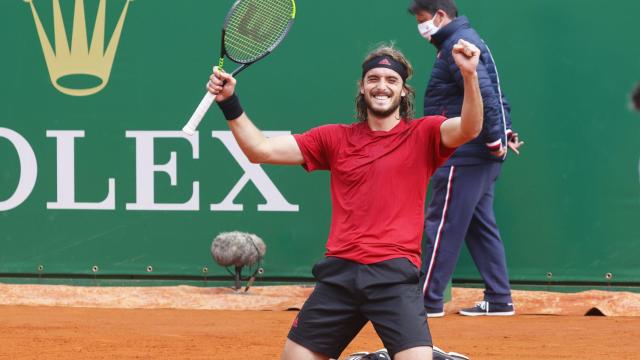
x: 381, y: 113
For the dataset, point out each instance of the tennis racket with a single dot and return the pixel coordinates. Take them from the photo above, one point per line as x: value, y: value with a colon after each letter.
x: 252, y: 30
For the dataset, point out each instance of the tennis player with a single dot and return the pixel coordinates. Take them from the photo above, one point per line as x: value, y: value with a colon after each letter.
x: 379, y: 168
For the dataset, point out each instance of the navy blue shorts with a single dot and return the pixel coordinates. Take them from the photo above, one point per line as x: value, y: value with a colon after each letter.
x: 348, y: 294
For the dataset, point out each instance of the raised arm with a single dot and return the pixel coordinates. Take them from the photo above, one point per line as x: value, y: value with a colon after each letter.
x: 258, y: 148
x: 457, y: 131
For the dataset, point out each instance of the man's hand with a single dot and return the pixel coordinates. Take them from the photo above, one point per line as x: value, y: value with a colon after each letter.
x: 500, y: 152
x: 221, y: 84
x: 515, y: 143
x: 466, y: 56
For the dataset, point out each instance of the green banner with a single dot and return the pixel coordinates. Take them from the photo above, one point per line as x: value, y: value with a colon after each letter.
x: 97, y: 178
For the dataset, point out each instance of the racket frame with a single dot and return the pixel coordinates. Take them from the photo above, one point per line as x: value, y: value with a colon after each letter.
x: 191, y: 127
x: 243, y: 64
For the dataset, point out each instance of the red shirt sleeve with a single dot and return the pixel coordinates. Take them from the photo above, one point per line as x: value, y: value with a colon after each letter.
x: 318, y: 146
x: 440, y: 153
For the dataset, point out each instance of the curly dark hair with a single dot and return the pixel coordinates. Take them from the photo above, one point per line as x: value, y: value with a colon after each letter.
x: 406, y: 103
x: 432, y: 6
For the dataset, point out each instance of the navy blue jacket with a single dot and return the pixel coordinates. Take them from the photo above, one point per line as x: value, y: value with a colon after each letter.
x: 445, y: 93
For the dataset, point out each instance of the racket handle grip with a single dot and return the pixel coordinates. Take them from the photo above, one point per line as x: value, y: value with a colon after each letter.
x: 197, y: 116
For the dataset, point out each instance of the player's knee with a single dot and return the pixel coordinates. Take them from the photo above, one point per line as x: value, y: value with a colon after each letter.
x: 416, y: 353
x: 294, y: 351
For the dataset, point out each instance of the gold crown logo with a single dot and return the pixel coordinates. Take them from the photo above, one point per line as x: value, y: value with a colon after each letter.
x: 79, y: 59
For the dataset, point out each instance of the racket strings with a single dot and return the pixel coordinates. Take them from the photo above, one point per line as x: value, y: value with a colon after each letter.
x: 249, y: 43
x: 255, y: 27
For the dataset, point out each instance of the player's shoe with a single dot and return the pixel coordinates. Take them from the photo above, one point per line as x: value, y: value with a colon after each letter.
x: 381, y: 354
x: 434, y: 312
x: 357, y: 355
x: 439, y: 354
x: 490, y: 309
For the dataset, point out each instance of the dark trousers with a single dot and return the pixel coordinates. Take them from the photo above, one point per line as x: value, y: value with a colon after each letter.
x: 461, y: 208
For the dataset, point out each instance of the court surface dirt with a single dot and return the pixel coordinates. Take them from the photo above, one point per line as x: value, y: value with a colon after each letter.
x: 41, y: 332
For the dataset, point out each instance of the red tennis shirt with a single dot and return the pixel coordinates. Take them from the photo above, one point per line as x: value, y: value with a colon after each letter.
x: 378, y: 185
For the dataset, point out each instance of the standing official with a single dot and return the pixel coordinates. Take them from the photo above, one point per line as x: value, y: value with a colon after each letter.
x: 461, y: 206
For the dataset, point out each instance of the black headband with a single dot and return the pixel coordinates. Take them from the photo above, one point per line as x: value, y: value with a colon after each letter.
x: 388, y: 62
